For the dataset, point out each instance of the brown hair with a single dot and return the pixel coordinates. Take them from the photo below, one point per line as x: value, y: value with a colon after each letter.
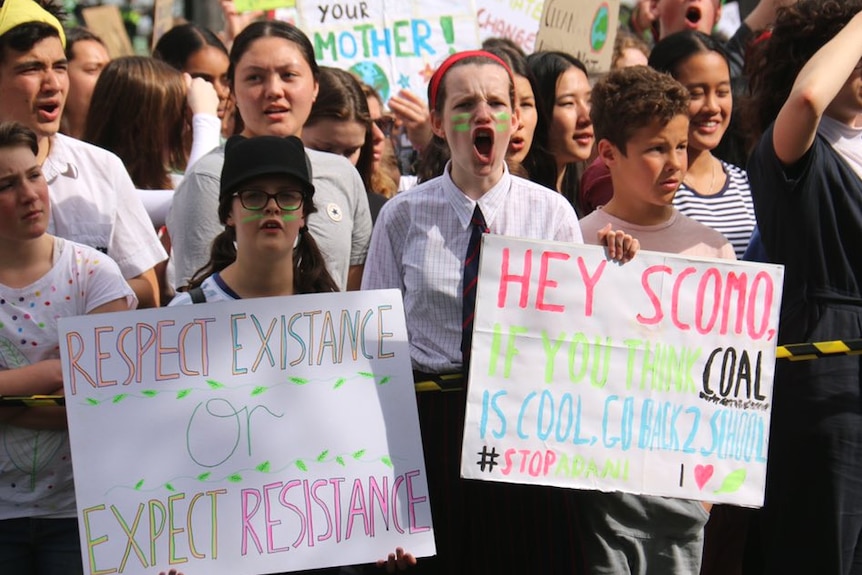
x: 341, y: 98
x: 15, y: 134
x: 630, y: 98
x: 141, y: 117
x: 625, y: 41
x: 776, y: 59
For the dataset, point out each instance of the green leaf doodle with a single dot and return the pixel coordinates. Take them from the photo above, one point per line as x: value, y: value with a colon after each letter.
x: 263, y: 467
x: 322, y: 457
x: 366, y: 374
x: 339, y: 460
x: 234, y: 478
x: 300, y: 464
x: 149, y: 393
x: 92, y: 401
x: 258, y: 390
x: 358, y: 454
x: 214, y: 384
x: 339, y: 383
x: 732, y: 482
x: 139, y: 484
x: 386, y: 461
x: 384, y: 381
x: 119, y: 397
x: 298, y: 380
x: 183, y: 392
x: 169, y: 487
x: 204, y: 476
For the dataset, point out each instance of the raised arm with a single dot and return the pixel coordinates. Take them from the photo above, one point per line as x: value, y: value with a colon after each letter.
x: 815, y: 89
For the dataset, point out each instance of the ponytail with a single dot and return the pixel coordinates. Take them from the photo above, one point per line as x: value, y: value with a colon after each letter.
x: 222, y: 254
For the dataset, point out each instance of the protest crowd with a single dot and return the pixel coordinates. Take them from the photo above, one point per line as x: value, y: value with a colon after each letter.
x: 229, y: 165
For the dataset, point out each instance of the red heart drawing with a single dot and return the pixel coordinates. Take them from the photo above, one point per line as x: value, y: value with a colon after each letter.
x: 702, y: 473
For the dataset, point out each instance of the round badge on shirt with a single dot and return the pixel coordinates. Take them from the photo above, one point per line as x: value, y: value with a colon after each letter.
x: 334, y: 212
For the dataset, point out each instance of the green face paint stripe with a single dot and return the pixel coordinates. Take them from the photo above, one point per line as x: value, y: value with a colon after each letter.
x: 502, y: 127
x: 503, y: 116
x: 460, y: 118
x: 284, y: 218
x: 461, y: 127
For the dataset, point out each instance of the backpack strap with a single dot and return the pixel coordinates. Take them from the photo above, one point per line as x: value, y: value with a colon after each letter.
x: 197, y: 294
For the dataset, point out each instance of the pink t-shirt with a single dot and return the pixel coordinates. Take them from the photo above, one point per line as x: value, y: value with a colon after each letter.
x: 679, y: 235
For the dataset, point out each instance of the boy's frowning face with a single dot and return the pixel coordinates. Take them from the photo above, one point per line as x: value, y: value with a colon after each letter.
x: 678, y: 15
x: 33, y: 86
x: 648, y: 174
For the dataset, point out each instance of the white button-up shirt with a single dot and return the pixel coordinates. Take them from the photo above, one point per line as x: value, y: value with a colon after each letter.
x: 420, y: 242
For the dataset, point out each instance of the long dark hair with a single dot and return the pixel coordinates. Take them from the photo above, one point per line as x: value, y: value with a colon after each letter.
x: 674, y: 50
x: 775, y: 61
x: 181, y: 42
x: 547, y: 68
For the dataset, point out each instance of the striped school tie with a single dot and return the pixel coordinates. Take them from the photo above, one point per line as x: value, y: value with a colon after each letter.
x: 471, y: 276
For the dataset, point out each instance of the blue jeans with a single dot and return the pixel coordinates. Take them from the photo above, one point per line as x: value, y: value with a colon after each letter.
x: 36, y: 546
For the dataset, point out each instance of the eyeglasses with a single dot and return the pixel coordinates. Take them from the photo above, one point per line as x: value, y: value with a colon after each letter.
x: 386, y: 124
x: 255, y: 200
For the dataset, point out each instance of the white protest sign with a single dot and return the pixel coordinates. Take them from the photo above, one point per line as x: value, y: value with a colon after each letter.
x: 653, y: 377
x: 390, y: 44
x: 247, y: 437
x: 517, y: 20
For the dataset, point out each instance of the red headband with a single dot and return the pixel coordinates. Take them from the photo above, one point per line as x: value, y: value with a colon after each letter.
x: 434, y: 86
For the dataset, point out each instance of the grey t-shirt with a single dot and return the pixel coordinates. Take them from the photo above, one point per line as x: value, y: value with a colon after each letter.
x: 341, y: 226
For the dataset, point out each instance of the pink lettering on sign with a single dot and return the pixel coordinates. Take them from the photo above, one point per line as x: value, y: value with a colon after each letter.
x: 723, y: 301
x: 554, y: 267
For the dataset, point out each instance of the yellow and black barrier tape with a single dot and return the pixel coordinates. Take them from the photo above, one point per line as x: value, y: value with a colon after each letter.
x: 455, y: 381
x: 31, y: 400
x: 817, y: 350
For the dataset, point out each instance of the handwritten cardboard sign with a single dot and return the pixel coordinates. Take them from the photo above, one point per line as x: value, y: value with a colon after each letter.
x: 107, y: 23
x: 517, y: 20
x: 585, y: 29
x: 389, y: 44
x: 654, y: 377
x: 247, y: 437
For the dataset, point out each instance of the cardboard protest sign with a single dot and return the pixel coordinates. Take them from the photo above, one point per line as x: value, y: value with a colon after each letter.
x: 653, y: 377
x: 163, y: 19
x: 517, y: 20
x: 585, y: 29
x: 107, y: 23
x: 247, y: 437
x: 390, y: 44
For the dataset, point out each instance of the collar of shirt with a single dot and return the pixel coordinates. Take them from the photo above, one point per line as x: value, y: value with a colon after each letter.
x: 491, y: 201
x: 57, y: 163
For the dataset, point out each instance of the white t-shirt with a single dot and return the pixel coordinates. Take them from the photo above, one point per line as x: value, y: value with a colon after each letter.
x: 35, y: 465
x: 214, y: 289
x: 93, y: 202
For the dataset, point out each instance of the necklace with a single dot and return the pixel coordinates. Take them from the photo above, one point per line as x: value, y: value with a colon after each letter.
x: 711, y: 182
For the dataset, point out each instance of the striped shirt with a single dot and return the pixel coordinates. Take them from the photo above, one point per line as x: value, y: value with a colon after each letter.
x: 420, y: 241
x: 730, y: 211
